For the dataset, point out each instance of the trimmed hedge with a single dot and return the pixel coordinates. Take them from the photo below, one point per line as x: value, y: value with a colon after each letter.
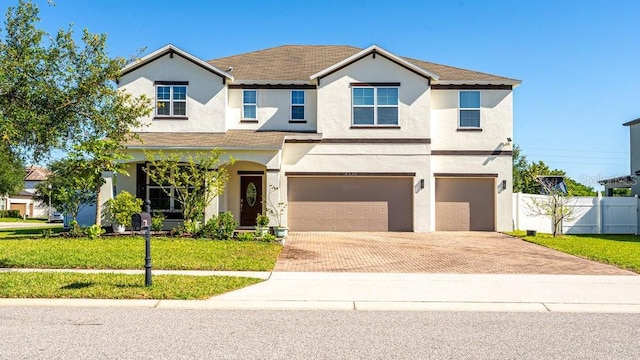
x: 10, y: 214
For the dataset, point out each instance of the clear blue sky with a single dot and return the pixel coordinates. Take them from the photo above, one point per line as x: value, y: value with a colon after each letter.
x: 578, y: 60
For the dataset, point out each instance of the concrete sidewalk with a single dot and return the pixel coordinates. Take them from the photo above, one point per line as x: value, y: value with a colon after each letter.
x: 398, y: 291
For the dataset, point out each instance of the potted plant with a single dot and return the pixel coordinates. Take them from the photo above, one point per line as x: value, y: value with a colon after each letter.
x: 277, y: 211
x: 262, y: 222
x: 121, y: 208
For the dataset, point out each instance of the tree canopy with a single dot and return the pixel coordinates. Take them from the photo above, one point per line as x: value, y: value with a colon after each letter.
x: 525, y: 176
x: 58, y: 94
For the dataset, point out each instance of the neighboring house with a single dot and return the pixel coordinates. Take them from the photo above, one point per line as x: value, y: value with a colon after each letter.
x: 353, y: 139
x: 24, y: 201
x: 628, y: 181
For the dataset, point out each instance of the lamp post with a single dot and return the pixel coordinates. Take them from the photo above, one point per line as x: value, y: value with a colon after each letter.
x: 147, y: 241
x: 49, y: 186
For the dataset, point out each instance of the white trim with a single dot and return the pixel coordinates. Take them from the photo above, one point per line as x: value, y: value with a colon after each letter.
x: 255, y: 104
x: 272, y: 82
x: 370, y: 49
x: 512, y: 82
x: 171, y: 48
x: 375, y: 106
x: 171, y: 100
x: 479, y: 110
x: 304, y: 105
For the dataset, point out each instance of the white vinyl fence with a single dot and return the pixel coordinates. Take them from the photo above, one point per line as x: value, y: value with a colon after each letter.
x: 592, y: 215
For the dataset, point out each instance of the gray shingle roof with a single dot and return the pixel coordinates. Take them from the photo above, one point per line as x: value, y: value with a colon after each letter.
x: 299, y: 62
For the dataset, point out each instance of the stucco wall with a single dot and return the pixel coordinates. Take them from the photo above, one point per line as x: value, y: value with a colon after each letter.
x: 496, y: 121
x: 362, y: 158
x: 334, y: 100
x: 274, y: 110
x: 206, y: 95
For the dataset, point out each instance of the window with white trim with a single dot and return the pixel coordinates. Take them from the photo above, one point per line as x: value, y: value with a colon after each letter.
x: 469, y: 109
x: 377, y: 106
x: 297, y: 104
x: 250, y: 104
x: 163, y: 197
x: 171, y: 100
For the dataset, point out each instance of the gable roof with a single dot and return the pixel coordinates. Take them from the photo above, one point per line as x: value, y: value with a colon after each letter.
x: 34, y: 173
x: 299, y: 63
x: 171, y: 50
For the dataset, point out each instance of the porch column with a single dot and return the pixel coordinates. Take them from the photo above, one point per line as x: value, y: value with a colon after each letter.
x: 272, y: 196
x: 212, y: 210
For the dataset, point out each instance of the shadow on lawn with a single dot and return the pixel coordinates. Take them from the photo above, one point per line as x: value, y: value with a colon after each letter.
x: 76, y: 285
x: 622, y: 238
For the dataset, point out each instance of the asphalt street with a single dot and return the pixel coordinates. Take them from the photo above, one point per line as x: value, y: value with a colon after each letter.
x: 143, y: 333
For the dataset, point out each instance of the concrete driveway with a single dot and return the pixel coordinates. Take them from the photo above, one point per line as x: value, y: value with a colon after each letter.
x: 438, y: 252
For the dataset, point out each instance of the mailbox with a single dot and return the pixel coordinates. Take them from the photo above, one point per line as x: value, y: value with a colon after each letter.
x: 140, y: 221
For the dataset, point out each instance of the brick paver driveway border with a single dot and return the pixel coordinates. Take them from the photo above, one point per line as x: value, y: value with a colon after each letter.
x: 437, y: 252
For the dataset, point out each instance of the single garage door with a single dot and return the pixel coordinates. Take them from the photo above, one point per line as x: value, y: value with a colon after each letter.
x: 464, y: 204
x: 20, y: 207
x: 350, y: 203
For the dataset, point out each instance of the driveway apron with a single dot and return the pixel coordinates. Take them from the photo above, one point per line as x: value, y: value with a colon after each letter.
x: 437, y: 252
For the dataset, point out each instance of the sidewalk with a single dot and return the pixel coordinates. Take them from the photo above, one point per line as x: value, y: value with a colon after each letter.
x: 399, y: 291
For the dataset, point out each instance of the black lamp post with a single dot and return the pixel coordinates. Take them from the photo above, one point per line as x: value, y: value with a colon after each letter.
x: 147, y: 242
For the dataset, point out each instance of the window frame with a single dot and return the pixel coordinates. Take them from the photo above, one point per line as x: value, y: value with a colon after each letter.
x: 375, y: 106
x: 244, y: 117
x: 171, y: 100
x: 172, y: 196
x: 303, y: 105
x: 479, y: 109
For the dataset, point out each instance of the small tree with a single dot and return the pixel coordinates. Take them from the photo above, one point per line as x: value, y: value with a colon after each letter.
x: 195, y: 182
x: 68, y: 189
x: 275, y: 210
x: 555, y: 205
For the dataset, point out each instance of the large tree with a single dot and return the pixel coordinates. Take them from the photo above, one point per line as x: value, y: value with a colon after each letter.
x: 11, y: 172
x: 58, y: 94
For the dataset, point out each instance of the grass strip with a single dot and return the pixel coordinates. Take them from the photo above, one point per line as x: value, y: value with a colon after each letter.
x: 116, y: 286
x: 619, y: 250
x: 128, y: 253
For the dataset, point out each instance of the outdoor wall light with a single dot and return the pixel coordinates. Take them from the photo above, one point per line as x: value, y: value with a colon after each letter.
x: 504, y: 184
x: 421, y: 183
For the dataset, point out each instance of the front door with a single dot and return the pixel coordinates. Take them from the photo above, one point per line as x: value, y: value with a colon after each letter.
x: 250, y: 199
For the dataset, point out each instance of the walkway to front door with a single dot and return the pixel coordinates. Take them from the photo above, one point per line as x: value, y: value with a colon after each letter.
x: 437, y: 252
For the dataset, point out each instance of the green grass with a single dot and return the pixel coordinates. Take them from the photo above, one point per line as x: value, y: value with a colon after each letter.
x: 20, y: 220
x: 128, y: 253
x: 115, y: 286
x: 28, y: 233
x: 619, y: 250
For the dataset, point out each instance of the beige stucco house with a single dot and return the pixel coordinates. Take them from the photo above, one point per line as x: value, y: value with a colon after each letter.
x: 353, y: 139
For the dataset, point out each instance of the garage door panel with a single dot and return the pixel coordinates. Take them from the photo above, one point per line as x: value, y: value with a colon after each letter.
x: 475, y: 199
x: 330, y: 216
x: 350, y: 204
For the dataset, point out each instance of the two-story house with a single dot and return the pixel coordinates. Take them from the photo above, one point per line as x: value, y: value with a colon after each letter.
x: 351, y: 139
x: 630, y: 181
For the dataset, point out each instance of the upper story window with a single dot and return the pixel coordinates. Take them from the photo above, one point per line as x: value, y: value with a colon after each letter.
x: 297, y: 104
x: 377, y: 106
x: 469, y: 109
x: 171, y: 100
x: 249, y: 104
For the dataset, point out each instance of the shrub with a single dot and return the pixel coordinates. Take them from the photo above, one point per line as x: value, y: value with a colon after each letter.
x: 191, y: 227
x: 268, y: 238
x: 245, y: 236
x: 94, y: 231
x: 47, y: 233
x: 220, y: 227
x: 157, y: 221
x: 10, y: 214
x: 122, y: 207
x: 262, y: 221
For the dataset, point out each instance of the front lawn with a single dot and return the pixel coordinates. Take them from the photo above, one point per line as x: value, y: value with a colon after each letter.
x: 116, y: 286
x: 128, y: 253
x: 619, y: 250
x: 29, y: 232
x: 21, y: 220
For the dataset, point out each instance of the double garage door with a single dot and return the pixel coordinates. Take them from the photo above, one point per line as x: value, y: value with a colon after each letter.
x: 350, y: 203
x: 464, y: 204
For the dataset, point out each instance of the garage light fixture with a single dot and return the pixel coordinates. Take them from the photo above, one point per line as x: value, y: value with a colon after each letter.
x: 421, y: 184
